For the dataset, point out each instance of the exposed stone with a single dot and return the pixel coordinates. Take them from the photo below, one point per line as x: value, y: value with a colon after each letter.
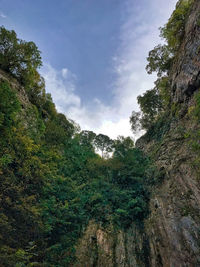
x: 186, y: 70
x: 108, y: 247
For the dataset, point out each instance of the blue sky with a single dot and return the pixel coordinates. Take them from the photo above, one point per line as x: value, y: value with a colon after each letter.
x: 94, y: 53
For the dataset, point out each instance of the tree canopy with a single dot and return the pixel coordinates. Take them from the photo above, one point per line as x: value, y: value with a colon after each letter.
x: 104, y: 144
x: 18, y: 57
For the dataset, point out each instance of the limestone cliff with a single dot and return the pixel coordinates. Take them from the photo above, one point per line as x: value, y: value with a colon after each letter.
x: 171, y: 233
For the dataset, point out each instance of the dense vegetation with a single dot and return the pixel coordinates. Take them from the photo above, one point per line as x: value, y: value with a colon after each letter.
x: 51, y: 180
x: 192, y: 136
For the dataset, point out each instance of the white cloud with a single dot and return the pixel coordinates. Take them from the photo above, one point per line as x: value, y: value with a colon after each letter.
x: 2, y: 15
x: 64, y: 72
x: 139, y: 34
x: 99, y: 118
x: 61, y: 87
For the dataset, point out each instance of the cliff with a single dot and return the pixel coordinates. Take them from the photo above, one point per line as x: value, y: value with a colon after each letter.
x: 171, y: 233
x: 64, y: 205
x: 174, y: 223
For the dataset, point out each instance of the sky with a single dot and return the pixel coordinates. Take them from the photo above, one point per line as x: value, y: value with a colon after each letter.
x: 94, y: 54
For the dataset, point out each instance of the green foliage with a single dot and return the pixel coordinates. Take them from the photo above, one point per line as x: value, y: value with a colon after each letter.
x: 35, y: 88
x: 84, y: 187
x: 51, y: 180
x: 87, y: 138
x: 151, y: 106
x: 118, y: 191
x: 58, y: 130
x: 9, y: 106
x: 18, y: 57
x: 103, y: 143
x: 159, y: 60
x: 197, y: 107
x: 21, y: 178
x: 159, y: 128
x: 193, y: 136
x: 63, y: 219
x: 173, y: 32
x: 162, y: 85
x: 51, y: 188
x: 122, y: 145
x: 135, y: 121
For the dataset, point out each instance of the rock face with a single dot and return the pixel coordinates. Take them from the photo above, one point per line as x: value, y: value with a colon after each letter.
x: 173, y: 227
x: 171, y: 233
x: 186, y: 70
x: 108, y: 247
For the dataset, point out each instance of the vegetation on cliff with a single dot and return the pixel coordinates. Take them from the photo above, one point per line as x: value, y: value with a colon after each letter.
x: 155, y: 104
x: 52, y: 181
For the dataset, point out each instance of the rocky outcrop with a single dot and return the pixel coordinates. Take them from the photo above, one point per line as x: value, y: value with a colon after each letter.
x: 173, y: 227
x: 185, y: 73
x: 109, y: 247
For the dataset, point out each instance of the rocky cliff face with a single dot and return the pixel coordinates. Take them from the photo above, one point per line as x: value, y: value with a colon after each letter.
x: 171, y: 234
x: 110, y: 247
x: 185, y: 73
x: 173, y: 227
x: 174, y: 222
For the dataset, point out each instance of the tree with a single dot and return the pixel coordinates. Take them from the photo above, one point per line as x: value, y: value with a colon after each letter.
x: 103, y: 143
x: 18, y: 57
x: 159, y: 60
x: 122, y: 145
x: 35, y: 88
x: 173, y: 32
x: 151, y: 106
x: 87, y: 137
x: 135, y: 121
x: 58, y: 129
x: 162, y: 85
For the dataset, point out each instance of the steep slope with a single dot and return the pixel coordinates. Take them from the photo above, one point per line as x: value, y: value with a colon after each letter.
x: 171, y: 234
x: 174, y: 224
